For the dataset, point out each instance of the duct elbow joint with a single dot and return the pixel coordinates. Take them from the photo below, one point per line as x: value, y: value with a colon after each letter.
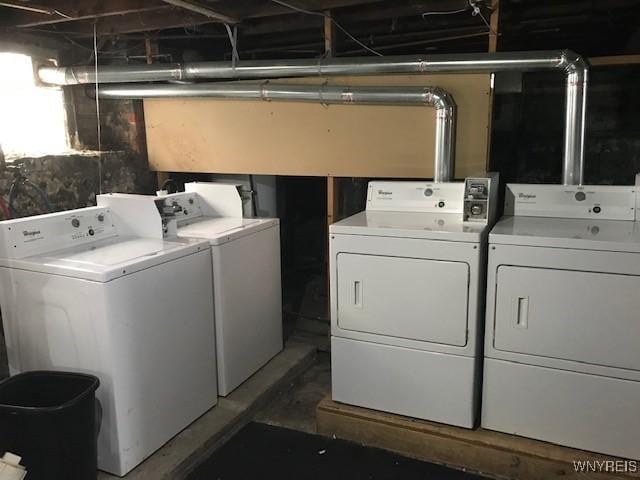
x: 572, y: 63
x: 441, y: 100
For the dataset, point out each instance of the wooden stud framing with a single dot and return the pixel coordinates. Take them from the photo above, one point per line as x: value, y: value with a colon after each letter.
x: 494, y: 23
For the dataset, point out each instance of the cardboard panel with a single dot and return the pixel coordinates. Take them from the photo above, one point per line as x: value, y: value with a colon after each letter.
x: 286, y: 138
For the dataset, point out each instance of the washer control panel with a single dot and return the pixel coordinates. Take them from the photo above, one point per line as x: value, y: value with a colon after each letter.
x: 176, y: 209
x: 54, y: 231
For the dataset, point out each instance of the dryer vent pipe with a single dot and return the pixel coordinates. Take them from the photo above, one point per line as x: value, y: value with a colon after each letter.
x: 434, y: 97
x: 570, y: 64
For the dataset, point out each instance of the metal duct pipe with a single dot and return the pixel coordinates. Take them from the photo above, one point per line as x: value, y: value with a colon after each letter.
x: 569, y: 63
x: 435, y: 97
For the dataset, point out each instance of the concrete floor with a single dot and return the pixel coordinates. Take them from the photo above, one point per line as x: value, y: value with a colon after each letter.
x: 294, y: 405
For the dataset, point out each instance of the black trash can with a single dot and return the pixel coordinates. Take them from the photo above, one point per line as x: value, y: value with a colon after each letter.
x: 49, y: 419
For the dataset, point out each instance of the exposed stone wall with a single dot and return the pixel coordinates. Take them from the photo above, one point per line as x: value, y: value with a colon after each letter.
x: 72, y: 181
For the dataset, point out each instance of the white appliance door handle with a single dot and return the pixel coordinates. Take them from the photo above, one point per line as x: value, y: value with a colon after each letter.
x: 522, y: 312
x: 357, y: 293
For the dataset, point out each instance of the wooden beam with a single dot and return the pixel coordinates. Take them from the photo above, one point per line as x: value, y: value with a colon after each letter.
x: 203, y: 10
x: 616, y: 60
x: 157, y: 19
x: 494, y: 23
x: 494, y: 30
x: 329, y: 35
x: 73, y: 10
x: 332, y: 182
x: 494, y: 454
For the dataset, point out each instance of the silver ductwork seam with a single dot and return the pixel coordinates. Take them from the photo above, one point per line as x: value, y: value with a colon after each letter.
x: 434, y: 97
x: 571, y: 64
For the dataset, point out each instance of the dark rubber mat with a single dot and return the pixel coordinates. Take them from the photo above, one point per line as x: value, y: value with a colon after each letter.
x: 261, y: 451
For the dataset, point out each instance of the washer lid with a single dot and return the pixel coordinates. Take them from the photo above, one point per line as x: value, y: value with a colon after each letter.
x: 108, y: 259
x: 431, y: 226
x: 219, y: 230
x: 608, y: 235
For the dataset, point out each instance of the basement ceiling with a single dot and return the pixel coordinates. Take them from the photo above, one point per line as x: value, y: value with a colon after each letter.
x: 274, y: 28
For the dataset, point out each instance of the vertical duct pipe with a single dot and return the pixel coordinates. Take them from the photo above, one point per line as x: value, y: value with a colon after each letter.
x: 434, y: 97
x: 571, y: 64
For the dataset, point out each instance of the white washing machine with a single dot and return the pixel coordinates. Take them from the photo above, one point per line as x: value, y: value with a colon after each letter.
x: 563, y: 318
x: 245, y: 265
x: 407, y: 299
x: 136, y: 312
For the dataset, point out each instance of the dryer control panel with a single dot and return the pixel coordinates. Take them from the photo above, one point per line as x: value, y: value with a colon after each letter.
x: 604, y: 202
x: 473, y: 199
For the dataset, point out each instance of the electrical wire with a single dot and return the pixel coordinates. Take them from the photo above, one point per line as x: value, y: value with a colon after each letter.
x: 475, y: 11
x: 233, y: 40
x: 99, y: 132
x: 324, y: 15
x: 446, y: 12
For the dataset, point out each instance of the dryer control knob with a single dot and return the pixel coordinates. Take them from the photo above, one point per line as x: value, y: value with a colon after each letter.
x: 75, y: 223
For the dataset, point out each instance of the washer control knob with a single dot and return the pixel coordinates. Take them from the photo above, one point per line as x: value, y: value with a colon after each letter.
x: 428, y: 192
x: 91, y: 232
x: 597, y: 209
x: 101, y: 218
x: 441, y: 204
x: 476, y: 209
x: 75, y: 223
x: 580, y: 196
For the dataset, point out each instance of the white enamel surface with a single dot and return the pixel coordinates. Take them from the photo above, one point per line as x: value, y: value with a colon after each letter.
x: 416, y: 383
x: 224, y: 229
x: 248, y: 305
x: 149, y: 337
x: 108, y: 259
x: 436, y: 226
x: 561, y: 350
x: 417, y: 311
x: 609, y: 235
x: 407, y: 289
x: 579, y: 410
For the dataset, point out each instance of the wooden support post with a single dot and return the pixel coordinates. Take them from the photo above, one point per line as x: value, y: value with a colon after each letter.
x: 329, y: 35
x: 494, y: 23
x: 332, y: 182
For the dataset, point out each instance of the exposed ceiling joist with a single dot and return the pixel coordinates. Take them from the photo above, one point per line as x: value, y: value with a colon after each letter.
x: 75, y: 11
x: 161, y: 16
x: 203, y: 10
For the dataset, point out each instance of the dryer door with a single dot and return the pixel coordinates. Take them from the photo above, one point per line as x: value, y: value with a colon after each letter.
x: 409, y: 298
x: 572, y: 315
